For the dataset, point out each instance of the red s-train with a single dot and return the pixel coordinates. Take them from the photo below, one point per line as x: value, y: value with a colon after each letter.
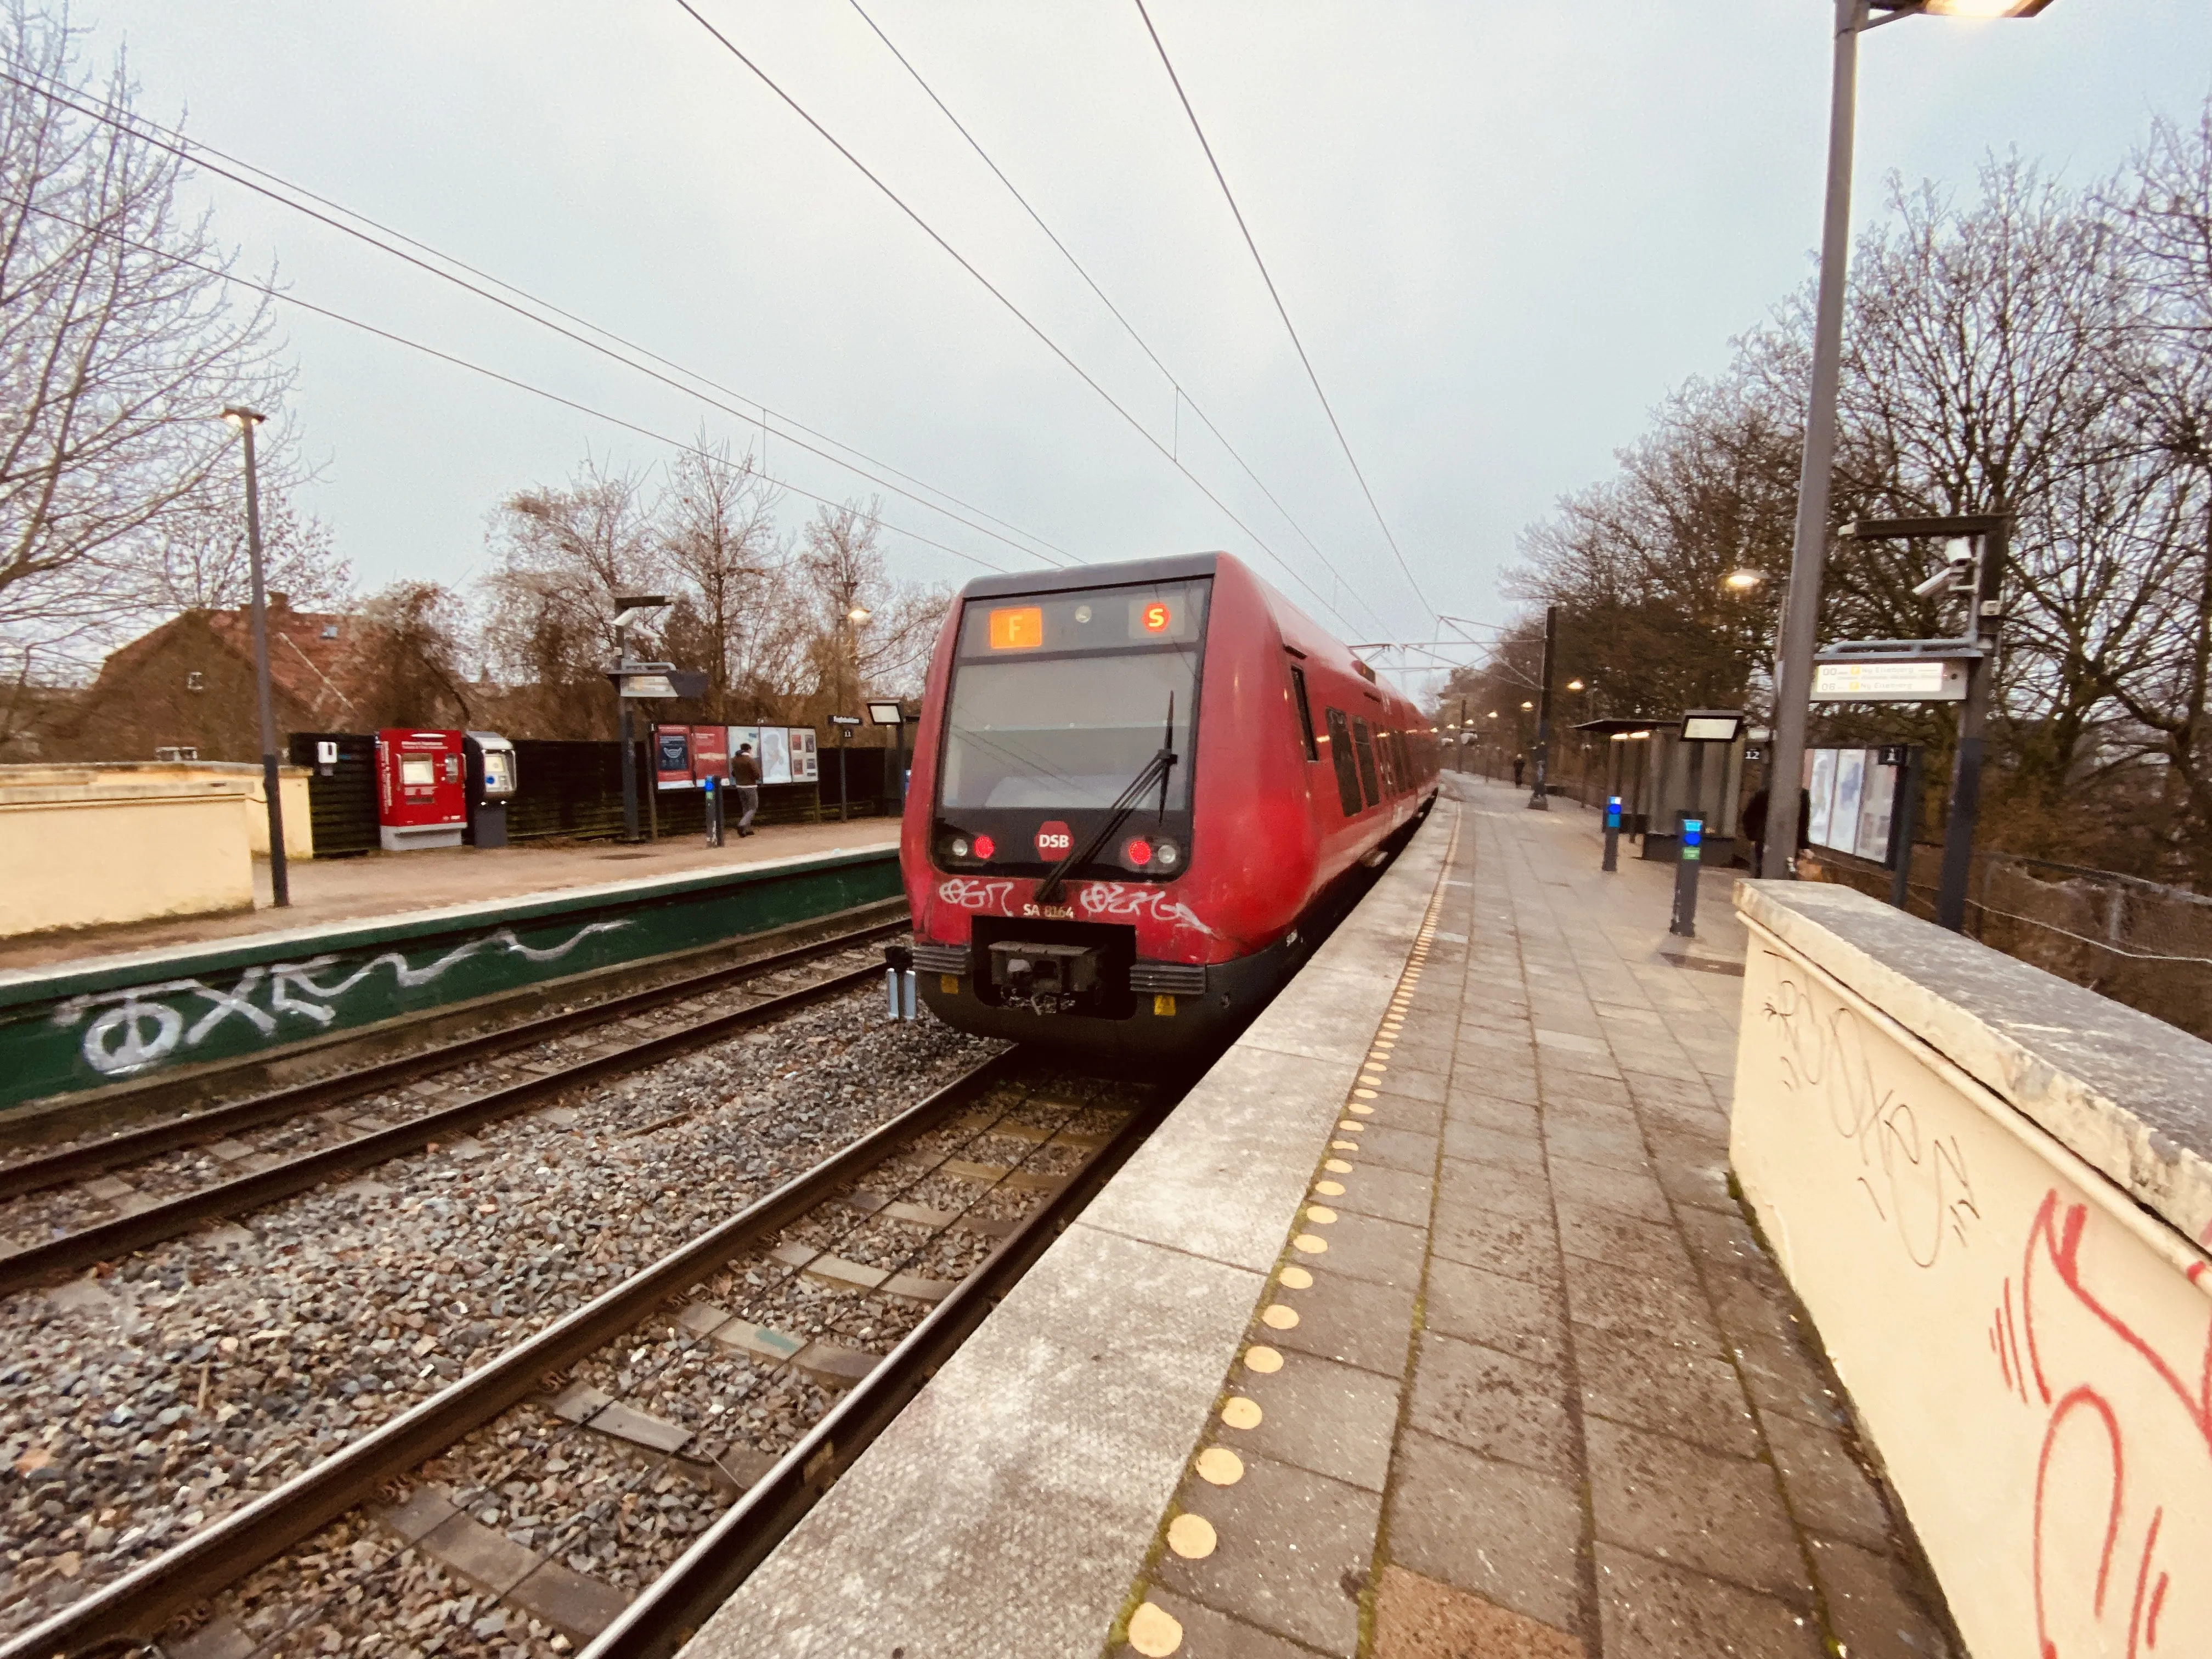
x: 1140, y: 794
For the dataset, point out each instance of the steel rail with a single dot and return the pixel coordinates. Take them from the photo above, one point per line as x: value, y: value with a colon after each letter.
x: 74, y: 1163
x: 669, y: 1612
x: 37, y: 1263
x: 136, y: 1606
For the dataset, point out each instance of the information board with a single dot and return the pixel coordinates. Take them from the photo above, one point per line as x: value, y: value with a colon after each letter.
x: 1852, y: 795
x: 672, y: 757
x: 805, y: 767
x: 1927, y: 680
x: 775, y: 754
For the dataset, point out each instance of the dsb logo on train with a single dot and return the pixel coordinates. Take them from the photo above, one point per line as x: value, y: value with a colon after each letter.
x: 1054, y: 840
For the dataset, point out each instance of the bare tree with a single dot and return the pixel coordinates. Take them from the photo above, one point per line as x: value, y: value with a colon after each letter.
x: 562, y: 555
x: 841, y: 569
x: 716, y: 524
x: 418, y: 631
x: 199, y: 559
x: 120, y: 344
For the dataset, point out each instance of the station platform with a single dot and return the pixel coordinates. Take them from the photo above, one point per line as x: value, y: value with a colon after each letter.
x: 1427, y: 1327
x: 378, y: 885
x: 388, y: 951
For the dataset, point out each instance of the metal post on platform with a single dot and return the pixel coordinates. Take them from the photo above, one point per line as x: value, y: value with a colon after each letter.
x: 1982, y: 626
x: 1540, y: 801
x: 280, y: 877
x: 1904, y: 819
x: 1689, y: 848
x: 1612, y: 833
x: 714, y: 813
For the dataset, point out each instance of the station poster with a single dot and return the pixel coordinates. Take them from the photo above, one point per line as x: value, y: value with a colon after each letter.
x: 775, y: 755
x: 672, y: 757
x: 805, y: 767
x: 710, y: 753
x: 738, y: 736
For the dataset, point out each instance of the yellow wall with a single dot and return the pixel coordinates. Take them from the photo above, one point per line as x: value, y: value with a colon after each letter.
x: 98, y: 775
x: 80, y: 856
x: 2028, y: 1347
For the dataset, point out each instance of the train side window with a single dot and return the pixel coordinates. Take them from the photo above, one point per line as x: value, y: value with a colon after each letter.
x: 1340, y: 751
x: 1404, y: 758
x: 1363, y: 742
x: 1305, y: 712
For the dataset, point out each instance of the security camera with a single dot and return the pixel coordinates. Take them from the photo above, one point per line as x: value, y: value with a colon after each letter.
x: 1958, y: 559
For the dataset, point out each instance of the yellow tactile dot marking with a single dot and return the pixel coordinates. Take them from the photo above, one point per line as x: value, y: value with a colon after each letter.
x: 1337, y: 1166
x: 1310, y: 1243
x: 1154, y: 1632
x: 1363, y: 1108
x: 1320, y: 1212
x: 1220, y: 1466
x: 1297, y: 1278
x: 1258, y: 1357
x: 1192, y: 1537
x: 1355, y: 1128
x: 1329, y: 1188
x: 1363, y: 1094
x: 1238, y: 1413
x: 1343, y: 1146
x: 1277, y: 1317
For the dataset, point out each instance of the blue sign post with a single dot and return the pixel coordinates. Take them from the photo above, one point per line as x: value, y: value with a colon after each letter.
x: 1612, y: 832
x: 1689, y: 861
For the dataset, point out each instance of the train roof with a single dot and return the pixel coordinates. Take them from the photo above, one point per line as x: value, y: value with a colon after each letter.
x: 1179, y: 567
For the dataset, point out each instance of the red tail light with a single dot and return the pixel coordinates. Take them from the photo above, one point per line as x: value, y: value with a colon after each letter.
x: 985, y: 847
x: 1138, y: 852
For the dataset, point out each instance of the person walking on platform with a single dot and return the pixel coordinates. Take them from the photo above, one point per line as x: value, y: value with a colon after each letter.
x: 744, y: 778
x: 1519, y: 763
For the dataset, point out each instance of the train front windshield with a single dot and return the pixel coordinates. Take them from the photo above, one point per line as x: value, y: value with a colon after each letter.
x: 1059, y: 700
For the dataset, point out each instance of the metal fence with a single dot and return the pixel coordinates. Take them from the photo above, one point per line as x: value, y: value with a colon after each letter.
x: 2137, y: 942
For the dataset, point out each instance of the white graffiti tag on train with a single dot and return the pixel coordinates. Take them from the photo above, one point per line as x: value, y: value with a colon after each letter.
x: 1125, y: 902
x: 139, y: 1028
x: 967, y: 893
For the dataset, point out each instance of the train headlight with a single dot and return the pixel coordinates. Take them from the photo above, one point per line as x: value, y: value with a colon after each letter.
x: 960, y: 847
x: 1167, y: 855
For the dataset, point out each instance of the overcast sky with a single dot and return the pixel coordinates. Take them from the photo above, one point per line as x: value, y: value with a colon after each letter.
x: 1503, y: 231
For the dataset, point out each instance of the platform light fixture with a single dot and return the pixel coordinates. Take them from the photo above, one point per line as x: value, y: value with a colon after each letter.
x: 1797, y: 639
x: 1528, y: 705
x: 1742, y: 581
x: 1576, y: 685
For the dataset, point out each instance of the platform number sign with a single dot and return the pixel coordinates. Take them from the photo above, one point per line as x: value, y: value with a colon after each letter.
x: 1054, y: 840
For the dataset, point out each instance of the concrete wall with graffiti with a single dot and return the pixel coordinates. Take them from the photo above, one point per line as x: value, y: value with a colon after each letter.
x: 66, y: 1030
x: 1991, y: 1189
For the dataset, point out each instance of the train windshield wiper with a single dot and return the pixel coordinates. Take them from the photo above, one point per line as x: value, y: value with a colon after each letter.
x: 1156, y: 770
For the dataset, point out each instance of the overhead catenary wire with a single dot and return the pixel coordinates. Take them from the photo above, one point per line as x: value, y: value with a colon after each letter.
x: 195, y: 153
x: 1282, y: 310
x: 997, y: 294
x: 1183, y: 392
x: 277, y: 294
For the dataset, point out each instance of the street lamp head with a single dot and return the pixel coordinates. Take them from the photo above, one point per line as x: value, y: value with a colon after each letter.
x: 1576, y: 685
x: 238, y: 416
x: 1744, y: 580
x: 1984, y: 9
x: 857, y: 615
x: 1528, y: 705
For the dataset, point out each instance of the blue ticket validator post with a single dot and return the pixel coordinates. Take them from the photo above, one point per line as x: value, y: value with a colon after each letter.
x: 1612, y: 832
x: 1689, y: 860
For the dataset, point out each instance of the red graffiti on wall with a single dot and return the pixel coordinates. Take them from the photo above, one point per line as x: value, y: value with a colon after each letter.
x: 2104, y: 1485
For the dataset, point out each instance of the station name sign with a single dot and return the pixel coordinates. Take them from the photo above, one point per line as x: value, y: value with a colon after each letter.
x: 1919, y: 679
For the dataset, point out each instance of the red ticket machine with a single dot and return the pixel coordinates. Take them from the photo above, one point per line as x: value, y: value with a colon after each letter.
x: 422, y: 789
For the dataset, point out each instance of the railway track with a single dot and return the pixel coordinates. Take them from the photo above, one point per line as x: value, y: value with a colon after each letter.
x: 654, y: 1021
x: 609, y: 1479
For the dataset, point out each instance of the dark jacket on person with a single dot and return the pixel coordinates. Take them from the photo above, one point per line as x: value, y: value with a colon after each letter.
x: 744, y: 771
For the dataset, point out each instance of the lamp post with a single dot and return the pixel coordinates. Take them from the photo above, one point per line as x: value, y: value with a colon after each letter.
x: 280, y: 877
x: 1540, y: 799
x: 1801, y: 615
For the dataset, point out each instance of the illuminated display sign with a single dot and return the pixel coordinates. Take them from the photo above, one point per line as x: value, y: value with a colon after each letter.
x: 1920, y: 679
x: 1017, y: 628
